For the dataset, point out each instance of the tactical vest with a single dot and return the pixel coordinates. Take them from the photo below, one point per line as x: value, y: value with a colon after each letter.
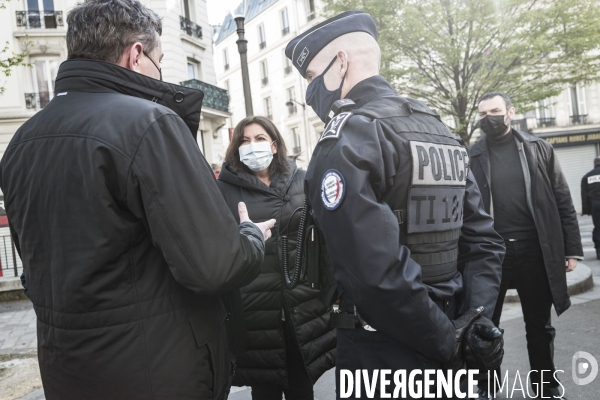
x: 428, y: 188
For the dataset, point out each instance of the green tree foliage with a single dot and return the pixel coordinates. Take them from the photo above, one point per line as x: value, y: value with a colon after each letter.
x: 450, y: 52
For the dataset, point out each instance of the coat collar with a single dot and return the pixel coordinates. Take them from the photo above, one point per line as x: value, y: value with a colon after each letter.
x: 480, y: 147
x: 102, y: 77
x: 279, y: 183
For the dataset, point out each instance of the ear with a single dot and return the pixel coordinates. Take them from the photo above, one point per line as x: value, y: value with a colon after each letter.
x: 131, y: 57
x: 343, y: 66
x: 511, y: 112
x: 274, y: 147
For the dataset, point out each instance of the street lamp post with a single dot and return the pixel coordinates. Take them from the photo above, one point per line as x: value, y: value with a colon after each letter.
x: 240, y: 17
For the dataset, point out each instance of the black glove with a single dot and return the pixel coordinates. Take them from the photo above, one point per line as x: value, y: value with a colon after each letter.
x: 483, y: 346
x: 461, y: 326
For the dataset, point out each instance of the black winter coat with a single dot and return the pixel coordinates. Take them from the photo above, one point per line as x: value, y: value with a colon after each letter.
x: 264, y: 361
x: 125, y: 239
x: 554, y: 215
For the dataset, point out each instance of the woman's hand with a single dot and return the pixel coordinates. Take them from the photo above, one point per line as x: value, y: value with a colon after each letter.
x: 265, y: 227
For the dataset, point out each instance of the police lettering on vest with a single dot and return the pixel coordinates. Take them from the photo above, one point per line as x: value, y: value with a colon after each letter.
x: 438, y: 184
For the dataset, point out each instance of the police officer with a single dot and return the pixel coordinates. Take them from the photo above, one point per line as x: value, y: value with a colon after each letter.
x: 390, y: 187
x: 590, y: 201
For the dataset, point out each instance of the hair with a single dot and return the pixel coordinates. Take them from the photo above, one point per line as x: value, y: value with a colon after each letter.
x: 491, y: 95
x: 280, y: 161
x: 104, y: 29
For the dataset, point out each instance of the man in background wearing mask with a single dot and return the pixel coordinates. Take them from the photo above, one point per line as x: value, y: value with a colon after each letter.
x: 410, y: 251
x: 525, y: 191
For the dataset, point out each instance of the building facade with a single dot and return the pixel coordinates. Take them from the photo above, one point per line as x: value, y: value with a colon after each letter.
x: 277, y: 89
x: 40, y: 27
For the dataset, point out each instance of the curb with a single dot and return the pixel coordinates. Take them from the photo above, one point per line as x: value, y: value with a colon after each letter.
x: 11, y: 289
x: 578, y: 281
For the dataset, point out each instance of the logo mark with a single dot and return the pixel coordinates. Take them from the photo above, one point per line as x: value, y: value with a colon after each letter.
x: 580, y: 368
x: 302, y: 56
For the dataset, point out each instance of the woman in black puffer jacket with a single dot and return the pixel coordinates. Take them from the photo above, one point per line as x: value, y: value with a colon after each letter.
x: 288, y: 338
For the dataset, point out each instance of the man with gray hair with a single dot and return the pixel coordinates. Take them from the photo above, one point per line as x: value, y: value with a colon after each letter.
x: 125, y: 238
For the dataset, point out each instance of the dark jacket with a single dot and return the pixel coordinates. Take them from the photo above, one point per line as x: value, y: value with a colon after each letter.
x: 549, y: 200
x: 264, y: 361
x: 371, y: 259
x: 125, y: 239
x: 590, y: 190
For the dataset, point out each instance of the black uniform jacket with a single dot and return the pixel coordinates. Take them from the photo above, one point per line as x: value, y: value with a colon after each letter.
x: 554, y: 215
x: 264, y: 300
x: 590, y: 190
x: 125, y: 239
x: 362, y: 235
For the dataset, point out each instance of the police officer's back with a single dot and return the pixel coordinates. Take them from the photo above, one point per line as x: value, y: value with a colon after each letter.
x: 390, y: 187
x: 590, y: 201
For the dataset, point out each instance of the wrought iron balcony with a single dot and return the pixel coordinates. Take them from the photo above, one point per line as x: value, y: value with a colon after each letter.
x: 37, y: 100
x: 226, y: 67
x: 190, y: 28
x: 579, y: 119
x: 262, y: 45
x: 39, y: 20
x: 296, y: 150
x: 265, y: 81
x: 214, y: 97
x: 546, y: 122
x: 285, y: 31
x: 288, y: 70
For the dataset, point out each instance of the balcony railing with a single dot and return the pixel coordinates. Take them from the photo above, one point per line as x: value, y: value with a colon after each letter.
x: 10, y: 262
x: 262, y: 45
x: 519, y: 124
x: 546, y: 122
x: 190, y: 28
x: 579, y: 119
x: 296, y: 150
x: 288, y: 70
x: 214, y: 97
x: 285, y: 31
x: 37, y: 20
x: 265, y: 81
x: 226, y: 67
x: 37, y: 100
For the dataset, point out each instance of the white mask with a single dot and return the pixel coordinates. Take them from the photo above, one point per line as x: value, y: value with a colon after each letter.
x: 256, y: 156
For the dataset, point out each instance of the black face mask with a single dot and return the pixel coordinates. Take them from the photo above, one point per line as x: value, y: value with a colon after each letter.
x: 319, y: 97
x: 494, y: 126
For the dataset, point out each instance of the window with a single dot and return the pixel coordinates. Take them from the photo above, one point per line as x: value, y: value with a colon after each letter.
x: 291, y: 97
x: 285, y: 23
x: 44, y: 74
x: 296, y: 137
x: 577, y: 105
x: 267, y: 107
x: 264, y: 72
x: 310, y: 9
x: 226, y: 87
x: 287, y: 64
x: 544, y: 112
x: 185, y: 9
x: 40, y: 14
x: 262, y: 39
x: 194, y: 70
x: 225, y: 59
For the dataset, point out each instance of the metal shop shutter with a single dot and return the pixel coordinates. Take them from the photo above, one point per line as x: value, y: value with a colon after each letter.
x: 576, y: 162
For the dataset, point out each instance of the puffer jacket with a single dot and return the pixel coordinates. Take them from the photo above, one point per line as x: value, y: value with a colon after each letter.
x: 264, y: 361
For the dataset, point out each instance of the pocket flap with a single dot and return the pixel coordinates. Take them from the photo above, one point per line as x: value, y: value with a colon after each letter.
x: 206, y: 321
